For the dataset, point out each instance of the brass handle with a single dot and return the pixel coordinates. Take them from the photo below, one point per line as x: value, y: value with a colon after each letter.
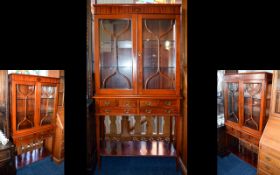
x: 107, y: 111
x: 139, y: 54
x: 148, y: 103
x: 168, y: 111
x: 127, y: 104
x: 126, y: 111
x: 137, y: 9
x: 148, y: 111
x: 107, y: 103
x: 168, y: 103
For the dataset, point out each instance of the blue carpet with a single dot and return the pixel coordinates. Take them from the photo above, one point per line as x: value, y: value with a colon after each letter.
x: 42, y: 167
x: 232, y: 165
x: 138, y: 166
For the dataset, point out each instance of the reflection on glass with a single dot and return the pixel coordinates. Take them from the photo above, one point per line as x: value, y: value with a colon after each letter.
x: 252, y: 104
x: 115, y: 54
x: 25, y: 106
x: 159, y: 53
x: 47, y: 104
x: 233, y: 102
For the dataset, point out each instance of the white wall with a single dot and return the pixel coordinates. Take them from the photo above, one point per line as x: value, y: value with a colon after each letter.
x: 244, y: 71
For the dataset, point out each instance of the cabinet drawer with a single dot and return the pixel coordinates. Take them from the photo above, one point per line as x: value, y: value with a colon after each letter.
x: 269, y: 169
x: 108, y: 103
x: 261, y: 172
x: 149, y: 103
x: 268, y: 159
x: 117, y: 111
x: 168, y: 103
x: 155, y: 111
x: 268, y: 151
x: 158, y: 103
x: 128, y: 103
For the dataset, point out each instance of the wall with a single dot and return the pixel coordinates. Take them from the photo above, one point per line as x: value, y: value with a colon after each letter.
x: 244, y: 71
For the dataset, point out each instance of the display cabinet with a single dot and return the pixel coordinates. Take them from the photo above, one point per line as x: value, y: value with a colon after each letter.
x: 246, y: 101
x: 4, y: 106
x: 269, y: 150
x: 137, y: 79
x: 33, y: 107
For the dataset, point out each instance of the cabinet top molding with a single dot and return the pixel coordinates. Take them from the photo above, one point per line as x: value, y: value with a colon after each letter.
x: 23, y: 77
x: 250, y: 75
x: 107, y: 9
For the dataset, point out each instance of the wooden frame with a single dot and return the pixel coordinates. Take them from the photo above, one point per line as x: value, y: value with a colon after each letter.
x: 239, y: 129
x: 115, y: 101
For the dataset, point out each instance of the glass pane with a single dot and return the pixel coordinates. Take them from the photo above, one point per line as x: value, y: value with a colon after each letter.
x: 25, y: 106
x: 277, y: 102
x: 159, y: 54
x: 252, y: 104
x: 47, y: 104
x: 115, y: 54
x: 233, y: 96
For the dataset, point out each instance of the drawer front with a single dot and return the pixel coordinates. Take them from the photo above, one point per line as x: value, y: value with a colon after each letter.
x: 108, y: 103
x: 268, y: 159
x: 261, y: 172
x: 117, y: 111
x: 168, y: 103
x: 268, y: 151
x: 131, y: 103
x: 149, y: 103
x: 268, y: 168
x: 155, y: 111
x: 5, y: 155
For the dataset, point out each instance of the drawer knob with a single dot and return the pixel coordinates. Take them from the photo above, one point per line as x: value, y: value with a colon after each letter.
x: 107, y: 103
x: 127, y: 104
x: 168, y: 103
x: 148, y: 111
x: 148, y: 103
x: 267, y: 158
x: 107, y: 111
x: 126, y: 111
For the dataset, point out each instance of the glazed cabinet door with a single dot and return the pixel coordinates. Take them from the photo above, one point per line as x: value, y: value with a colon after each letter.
x: 231, y: 100
x: 158, y: 54
x: 253, y: 99
x: 25, y: 107
x: 275, y: 102
x: 115, y: 62
x: 48, y: 102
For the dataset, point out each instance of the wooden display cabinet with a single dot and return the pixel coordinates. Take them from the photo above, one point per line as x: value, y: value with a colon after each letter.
x: 137, y: 79
x: 33, y: 107
x: 269, y: 150
x: 246, y: 101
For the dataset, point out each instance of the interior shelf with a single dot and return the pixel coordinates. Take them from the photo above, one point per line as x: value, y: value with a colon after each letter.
x: 137, y: 148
